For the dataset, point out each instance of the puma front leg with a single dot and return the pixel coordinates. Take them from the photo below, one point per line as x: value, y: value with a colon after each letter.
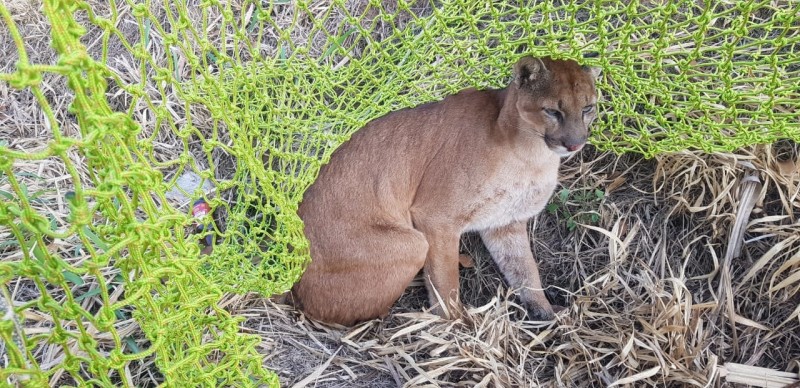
x: 510, y: 248
x: 441, y: 274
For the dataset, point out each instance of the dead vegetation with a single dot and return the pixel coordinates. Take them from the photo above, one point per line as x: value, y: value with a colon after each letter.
x: 643, y: 286
x: 671, y: 267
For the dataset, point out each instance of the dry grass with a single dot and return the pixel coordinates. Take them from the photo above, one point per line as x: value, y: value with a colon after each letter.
x: 689, y: 261
x: 643, y: 286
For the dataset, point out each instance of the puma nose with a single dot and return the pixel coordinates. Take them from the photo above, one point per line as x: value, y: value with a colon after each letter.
x: 572, y: 147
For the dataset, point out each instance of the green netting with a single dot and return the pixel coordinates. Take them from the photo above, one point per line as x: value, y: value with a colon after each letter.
x: 254, y: 95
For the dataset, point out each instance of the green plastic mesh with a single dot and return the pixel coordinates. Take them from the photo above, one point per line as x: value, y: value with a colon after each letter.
x: 253, y: 96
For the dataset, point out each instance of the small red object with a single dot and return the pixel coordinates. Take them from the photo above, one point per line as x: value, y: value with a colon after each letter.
x: 199, y: 210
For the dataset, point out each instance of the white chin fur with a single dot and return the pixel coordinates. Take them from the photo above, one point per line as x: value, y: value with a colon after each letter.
x: 562, y: 151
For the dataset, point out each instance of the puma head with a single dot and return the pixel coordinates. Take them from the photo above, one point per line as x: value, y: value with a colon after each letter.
x: 557, y: 99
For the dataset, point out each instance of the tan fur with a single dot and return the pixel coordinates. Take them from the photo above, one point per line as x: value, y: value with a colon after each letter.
x: 397, y: 196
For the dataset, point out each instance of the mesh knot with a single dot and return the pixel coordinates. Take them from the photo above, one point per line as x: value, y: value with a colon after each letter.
x: 162, y: 75
x: 183, y: 22
x: 106, y: 319
x: 209, y: 145
x: 35, y: 222
x: 729, y: 96
x: 103, y: 23
x: 60, y: 148
x: 170, y: 39
x: 140, y: 52
x: 29, y: 269
x: 704, y: 19
x: 74, y: 311
x: 116, y: 360
x: 97, y: 130
x: 123, y: 123
x: 25, y: 76
x: 135, y: 90
x: 772, y: 84
x: 81, y: 215
x: 58, y: 335
x: 99, y: 365
x: 52, y: 266
x: 78, y: 61
x: 5, y: 214
x: 140, y: 10
x: 137, y: 233
x: 227, y: 15
x: 141, y: 176
x: 71, y: 363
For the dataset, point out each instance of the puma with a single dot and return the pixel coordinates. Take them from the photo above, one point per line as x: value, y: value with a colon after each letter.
x: 396, y: 198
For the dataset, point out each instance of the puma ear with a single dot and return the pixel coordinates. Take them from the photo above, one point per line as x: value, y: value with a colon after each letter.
x: 594, y: 71
x: 529, y: 69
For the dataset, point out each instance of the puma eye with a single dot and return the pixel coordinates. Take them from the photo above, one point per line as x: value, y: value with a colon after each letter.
x: 553, y: 113
x: 588, y: 109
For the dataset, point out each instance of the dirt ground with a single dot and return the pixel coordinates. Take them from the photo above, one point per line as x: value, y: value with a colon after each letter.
x: 670, y: 268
